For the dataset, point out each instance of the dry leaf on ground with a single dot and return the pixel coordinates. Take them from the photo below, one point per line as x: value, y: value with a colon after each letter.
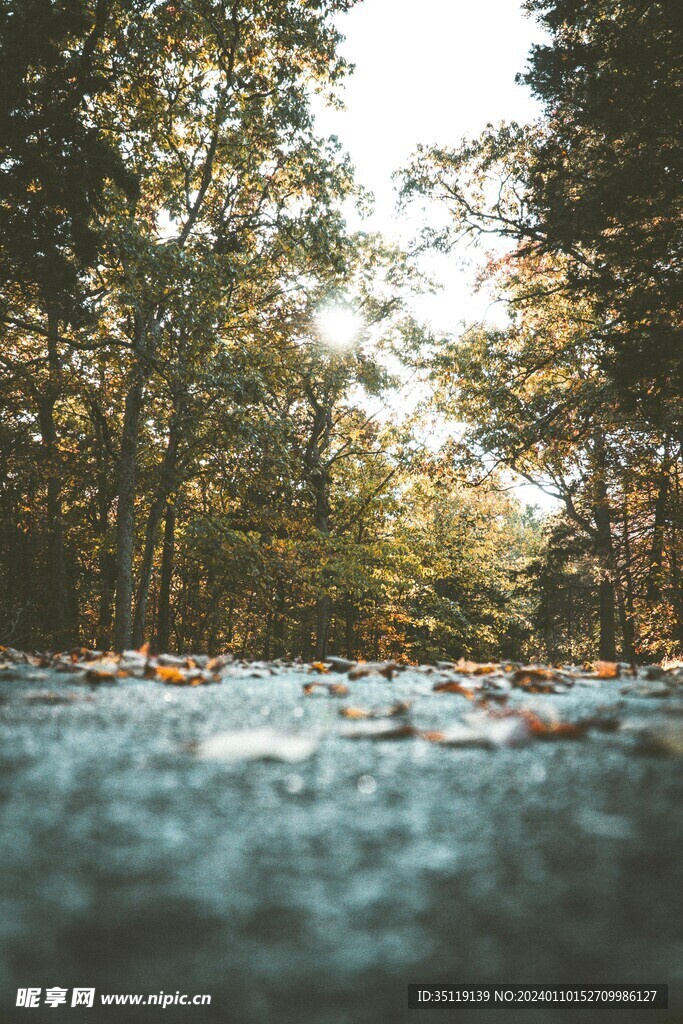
x: 378, y: 729
x: 400, y: 708
x: 258, y: 745
x: 334, y: 689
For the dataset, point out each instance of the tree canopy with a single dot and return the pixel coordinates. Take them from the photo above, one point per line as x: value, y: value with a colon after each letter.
x: 200, y: 358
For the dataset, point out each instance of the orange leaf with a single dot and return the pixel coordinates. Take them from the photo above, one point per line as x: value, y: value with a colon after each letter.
x: 553, y: 730
x: 338, y: 689
x: 606, y: 670
x: 100, y: 675
x: 536, y: 680
x: 334, y: 689
x: 433, y: 736
x: 171, y: 675
x: 448, y: 687
x: 354, y: 713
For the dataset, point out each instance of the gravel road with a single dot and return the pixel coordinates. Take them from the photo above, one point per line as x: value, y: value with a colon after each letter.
x: 314, y: 892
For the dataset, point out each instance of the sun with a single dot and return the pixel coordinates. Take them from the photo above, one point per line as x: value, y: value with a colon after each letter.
x: 339, y: 325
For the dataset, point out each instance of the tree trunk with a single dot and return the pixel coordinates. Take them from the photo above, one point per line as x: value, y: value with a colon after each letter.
x: 58, y: 605
x: 142, y: 595
x: 319, y: 479
x: 629, y: 615
x: 677, y: 599
x: 604, y: 550
x: 125, y: 516
x: 627, y: 651
x: 306, y: 645
x: 322, y: 525
x: 349, y: 639
x: 248, y: 618
x: 279, y: 624
x: 106, y: 491
x: 166, y: 486
x: 107, y: 586
x: 322, y: 626
x: 654, y: 579
x: 167, y: 555
x: 608, y: 639
x: 606, y: 597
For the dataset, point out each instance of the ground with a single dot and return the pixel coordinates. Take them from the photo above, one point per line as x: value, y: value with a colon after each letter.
x: 316, y: 891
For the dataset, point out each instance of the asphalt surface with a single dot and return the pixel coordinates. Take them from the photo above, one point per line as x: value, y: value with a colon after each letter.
x: 314, y: 892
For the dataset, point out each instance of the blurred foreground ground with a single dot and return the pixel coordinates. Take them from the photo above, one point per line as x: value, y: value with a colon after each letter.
x: 316, y: 891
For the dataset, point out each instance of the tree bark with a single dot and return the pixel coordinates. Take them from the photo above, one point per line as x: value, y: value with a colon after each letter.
x: 166, y: 485
x: 107, y: 564
x: 654, y: 579
x: 606, y: 596
x: 627, y: 607
x: 322, y: 525
x: 349, y: 623
x: 279, y: 622
x: 318, y: 472
x: 167, y: 556
x: 125, y: 515
x: 58, y: 604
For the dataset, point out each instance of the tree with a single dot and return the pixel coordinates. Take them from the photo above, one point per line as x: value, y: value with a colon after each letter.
x: 594, y: 185
x: 55, y: 166
x: 605, y: 178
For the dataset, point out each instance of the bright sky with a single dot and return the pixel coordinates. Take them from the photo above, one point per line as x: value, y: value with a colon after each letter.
x: 430, y: 72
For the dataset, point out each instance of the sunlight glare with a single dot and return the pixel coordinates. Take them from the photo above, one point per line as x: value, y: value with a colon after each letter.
x: 339, y: 325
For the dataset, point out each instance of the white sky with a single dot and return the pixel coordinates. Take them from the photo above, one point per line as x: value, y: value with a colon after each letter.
x: 430, y: 72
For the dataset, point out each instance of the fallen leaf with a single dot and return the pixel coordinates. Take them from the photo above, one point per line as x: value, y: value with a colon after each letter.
x: 474, y: 668
x: 320, y: 667
x: 170, y: 675
x: 540, y: 680
x: 400, y: 708
x: 172, y: 661
x: 258, y: 745
x: 483, y: 730
x: 355, y: 713
x: 220, y: 662
x: 551, y: 730
x: 191, y: 677
x: 48, y: 697
x: 606, y: 670
x: 103, y: 673
x: 433, y: 736
x: 450, y: 687
x: 338, y: 689
x: 389, y: 669
x: 383, y: 668
x: 378, y: 730
x: 339, y: 664
x: 334, y: 689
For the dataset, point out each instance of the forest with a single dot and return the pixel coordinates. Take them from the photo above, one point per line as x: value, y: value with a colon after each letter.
x: 202, y: 362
